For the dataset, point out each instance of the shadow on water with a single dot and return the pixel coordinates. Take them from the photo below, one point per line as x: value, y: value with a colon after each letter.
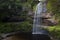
x: 19, y: 36
x: 42, y: 35
x: 27, y: 36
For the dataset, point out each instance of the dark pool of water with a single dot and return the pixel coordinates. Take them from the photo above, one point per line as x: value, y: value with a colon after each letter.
x: 28, y: 36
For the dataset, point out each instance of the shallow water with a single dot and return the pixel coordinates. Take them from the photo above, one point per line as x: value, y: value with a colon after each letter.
x: 15, y: 38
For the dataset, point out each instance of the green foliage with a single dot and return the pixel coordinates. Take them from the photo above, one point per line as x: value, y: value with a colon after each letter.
x: 14, y: 7
x: 54, y: 6
x: 54, y: 31
x: 9, y: 7
x: 11, y: 27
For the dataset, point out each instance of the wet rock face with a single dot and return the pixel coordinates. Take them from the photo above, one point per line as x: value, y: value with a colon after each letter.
x: 48, y: 20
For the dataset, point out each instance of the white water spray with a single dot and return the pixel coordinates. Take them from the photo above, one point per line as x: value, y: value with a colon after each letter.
x: 37, y: 22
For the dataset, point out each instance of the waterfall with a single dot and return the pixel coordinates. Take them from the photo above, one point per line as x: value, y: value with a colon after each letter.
x: 37, y: 22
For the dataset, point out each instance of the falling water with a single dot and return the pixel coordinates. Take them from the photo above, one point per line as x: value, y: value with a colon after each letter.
x: 37, y: 22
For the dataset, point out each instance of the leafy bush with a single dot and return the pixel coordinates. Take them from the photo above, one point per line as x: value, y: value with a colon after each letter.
x: 11, y: 27
x: 54, y: 32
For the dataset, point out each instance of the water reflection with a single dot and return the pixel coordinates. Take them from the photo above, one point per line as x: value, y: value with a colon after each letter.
x: 20, y: 36
x: 13, y: 38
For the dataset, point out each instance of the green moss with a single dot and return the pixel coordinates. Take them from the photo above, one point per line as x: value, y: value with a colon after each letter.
x: 54, y: 31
